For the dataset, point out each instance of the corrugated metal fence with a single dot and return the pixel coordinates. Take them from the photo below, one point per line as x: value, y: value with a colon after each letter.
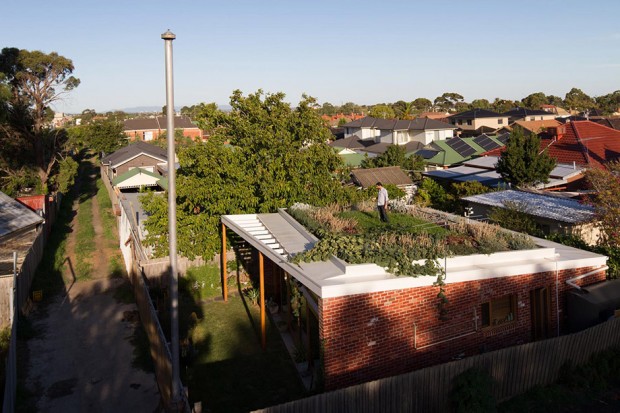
x: 514, y: 369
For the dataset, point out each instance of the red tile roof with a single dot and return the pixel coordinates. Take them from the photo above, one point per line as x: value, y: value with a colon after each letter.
x: 585, y: 143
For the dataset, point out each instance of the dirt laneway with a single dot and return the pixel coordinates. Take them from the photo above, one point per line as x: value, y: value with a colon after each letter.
x: 81, y: 359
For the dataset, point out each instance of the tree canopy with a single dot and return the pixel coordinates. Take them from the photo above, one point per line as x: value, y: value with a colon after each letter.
x: 522, y: 163
x: 277, y: 156
x: 34, y: 80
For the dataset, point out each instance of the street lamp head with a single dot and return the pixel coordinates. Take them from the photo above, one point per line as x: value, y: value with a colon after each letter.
x: 168, y: 35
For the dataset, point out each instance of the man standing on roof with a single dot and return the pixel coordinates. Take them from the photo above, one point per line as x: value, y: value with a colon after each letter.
x: 382, y: 202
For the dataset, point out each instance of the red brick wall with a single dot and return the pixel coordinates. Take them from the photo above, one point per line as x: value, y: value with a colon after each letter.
x: 370, y: 336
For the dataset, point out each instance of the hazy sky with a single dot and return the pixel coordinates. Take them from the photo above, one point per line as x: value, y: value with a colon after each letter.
x: 337, y: 51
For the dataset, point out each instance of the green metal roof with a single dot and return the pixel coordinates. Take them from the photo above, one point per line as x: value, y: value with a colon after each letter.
x: 352, y: 159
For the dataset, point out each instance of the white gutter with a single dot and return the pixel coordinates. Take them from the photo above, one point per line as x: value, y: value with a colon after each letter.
x: 571, y: 281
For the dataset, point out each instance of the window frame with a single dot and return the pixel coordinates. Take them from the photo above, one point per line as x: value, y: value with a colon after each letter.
x: 491, y: 320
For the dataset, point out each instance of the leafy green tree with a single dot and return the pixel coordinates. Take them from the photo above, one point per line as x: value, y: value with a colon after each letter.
x: 502, y: 105
x: 180, y: 140
x: 522, y: 163
x: 534, y: 100
x: 350, y: 107
x: 555, y: 100
x: 422, y: 104
x: 105, y: 136
x: 576, y: 99
x: 432, y: 194
x: 464, y: 189
x: 404, y: 110
x: 65, y: 178
x: 277, y: 156
x: 447, y: 101
x: 382, y: 111
x: 87, y: 115
x: 36, y: 80
x: 206, y: 116
x: 327, y: 109
x: 480, y: 104
x: 606, y: 201
x: 609, y: 103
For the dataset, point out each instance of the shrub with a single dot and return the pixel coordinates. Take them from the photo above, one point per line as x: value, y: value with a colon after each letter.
x: 472, y: 392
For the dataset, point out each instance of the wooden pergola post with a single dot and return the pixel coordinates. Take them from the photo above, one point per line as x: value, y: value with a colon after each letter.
x: 263, y: 330
x: 224, y: 269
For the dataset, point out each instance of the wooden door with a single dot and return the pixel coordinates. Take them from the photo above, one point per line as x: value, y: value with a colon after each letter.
x: 540, y: 302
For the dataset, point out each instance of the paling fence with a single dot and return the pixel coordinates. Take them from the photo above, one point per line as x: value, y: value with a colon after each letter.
x: 137, y: 266
x: 514, y: 370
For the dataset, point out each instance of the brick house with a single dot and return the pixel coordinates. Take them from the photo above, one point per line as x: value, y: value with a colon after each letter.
x: 148, y: 129
x: 370, y: 324
x: 137, y: 155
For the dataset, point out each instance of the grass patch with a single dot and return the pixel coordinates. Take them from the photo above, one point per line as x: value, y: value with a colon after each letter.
x: 48, y: 276
x: 202, y: 282
x: 85, y: 239
x: 115, y: 266
x: 108, y: 219
x: 369, y: 222
x: 227, y: 342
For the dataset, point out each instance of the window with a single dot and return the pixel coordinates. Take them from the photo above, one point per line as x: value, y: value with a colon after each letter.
x: 460, y: 121
x: 532, y: 118
x: 469, y: 122
x: 500, y: 121
x: 499, y: 311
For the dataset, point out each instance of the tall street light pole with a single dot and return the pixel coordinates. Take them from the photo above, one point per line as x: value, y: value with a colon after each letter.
x: 172, y: 222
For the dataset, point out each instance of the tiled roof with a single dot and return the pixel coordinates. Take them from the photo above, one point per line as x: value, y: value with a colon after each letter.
x: 352, y: 142
x: 523, y: 112
x: 158, y: 123
x: 398, y: 124
x: 476, y: 113
x: 15, y: 216
x: 613, y: 123
x: 584, y: 143
x: 536, y: 125
x: 128, y: 152
x: 393, y: 175
x: 544, y: 206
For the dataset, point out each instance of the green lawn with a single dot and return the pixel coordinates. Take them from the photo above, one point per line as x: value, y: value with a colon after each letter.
x: 369, y: 222
x: 230, y: 372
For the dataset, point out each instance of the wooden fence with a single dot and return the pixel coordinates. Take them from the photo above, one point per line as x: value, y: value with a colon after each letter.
x: 514, y: 370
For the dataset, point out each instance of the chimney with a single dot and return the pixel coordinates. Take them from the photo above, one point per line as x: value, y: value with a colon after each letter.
x: 557, y: 132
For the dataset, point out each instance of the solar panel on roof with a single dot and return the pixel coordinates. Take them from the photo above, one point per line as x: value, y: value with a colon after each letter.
x: 461, y: 147
x: 503, y: 138
x: 426, y: 153
x: 486, y: 143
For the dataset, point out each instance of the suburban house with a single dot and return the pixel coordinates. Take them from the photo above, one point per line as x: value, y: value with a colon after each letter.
x: 478, y: 121
x: 613, y: 123
x: 532, y: 126
x: 443, y: 154
x: 137, y: 155
x: 517, y: 114
x: 370, y: 324
x: 388, y: 175
x: 148, y: 129
x: 399, y: 132
x: 553, y: 214
x: 557, y: 111
x: 482, y: 169
x: 366, y: 147
x: 583, y: 143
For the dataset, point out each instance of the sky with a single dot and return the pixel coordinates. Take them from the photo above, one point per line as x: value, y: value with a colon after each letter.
x: 337, y: 51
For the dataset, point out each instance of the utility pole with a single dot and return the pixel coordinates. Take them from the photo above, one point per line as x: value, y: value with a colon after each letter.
x: 172, y: 225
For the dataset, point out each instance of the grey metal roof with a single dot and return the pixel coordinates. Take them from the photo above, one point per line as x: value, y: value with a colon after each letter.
x: 387, y: 175
x: 523, y: 112
x: 15, y: 216
x: 544, y: 206
x: 475, y: 114
x: 128, y: 152
x: 399, y: 124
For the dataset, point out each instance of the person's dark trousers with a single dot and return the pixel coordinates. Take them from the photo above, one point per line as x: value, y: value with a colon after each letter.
x: 382, y: 214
